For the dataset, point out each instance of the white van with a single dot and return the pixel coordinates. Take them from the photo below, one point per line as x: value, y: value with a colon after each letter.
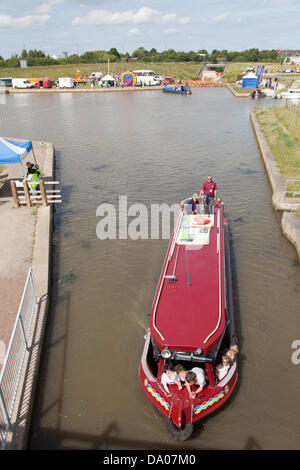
x: 21, y: 83
x: 65, y: 82
x: 146, y: 80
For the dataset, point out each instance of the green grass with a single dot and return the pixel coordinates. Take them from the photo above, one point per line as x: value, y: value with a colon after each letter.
x: 179, y: 70
x: 281, y: 127
x: 239, y: 89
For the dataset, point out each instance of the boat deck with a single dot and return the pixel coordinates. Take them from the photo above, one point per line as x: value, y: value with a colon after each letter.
x: 188, y: 312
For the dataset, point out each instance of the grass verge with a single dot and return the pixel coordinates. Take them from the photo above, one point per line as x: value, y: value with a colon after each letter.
x: 281, y: 127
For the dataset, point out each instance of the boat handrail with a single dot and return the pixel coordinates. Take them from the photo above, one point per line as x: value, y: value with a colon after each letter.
x: 220, y: 298
x: 164, y: 274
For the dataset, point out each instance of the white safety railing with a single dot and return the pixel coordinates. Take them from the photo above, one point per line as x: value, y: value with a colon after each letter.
x: 14, y: 360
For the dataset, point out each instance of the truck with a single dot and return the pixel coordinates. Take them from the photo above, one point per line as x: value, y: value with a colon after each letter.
x: 5, y: 82
x: 43, y: 83
x: 21, y: 83
x: 65, y: 82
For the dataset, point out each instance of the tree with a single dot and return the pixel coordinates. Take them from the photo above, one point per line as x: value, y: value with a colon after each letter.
x: 114, y: 51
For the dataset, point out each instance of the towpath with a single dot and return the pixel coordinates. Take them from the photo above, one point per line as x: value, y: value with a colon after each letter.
x: 17, y: 237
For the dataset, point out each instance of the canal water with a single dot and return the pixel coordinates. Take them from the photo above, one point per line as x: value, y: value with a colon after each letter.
x: 155, y: 148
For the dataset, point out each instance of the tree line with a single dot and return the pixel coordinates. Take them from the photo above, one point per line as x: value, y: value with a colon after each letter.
x: 39, y: 58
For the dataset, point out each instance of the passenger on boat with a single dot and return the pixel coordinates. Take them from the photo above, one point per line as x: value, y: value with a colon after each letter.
x: 209, y: 192
x: 223, y: 368
x: 193, y: 204
x: 234, y: 348
x: 181, y: 373
x: 169, y: 377
x: 231, y: 356
x: 196, y: 377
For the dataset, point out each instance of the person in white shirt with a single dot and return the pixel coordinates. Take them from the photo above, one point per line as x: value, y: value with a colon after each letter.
x: 196, y: 376
x: 223, y: 368
x: 169, y: 377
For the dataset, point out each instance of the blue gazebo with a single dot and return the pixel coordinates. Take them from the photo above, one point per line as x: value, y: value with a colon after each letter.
x: 14, y: 152
x: 250, y: 80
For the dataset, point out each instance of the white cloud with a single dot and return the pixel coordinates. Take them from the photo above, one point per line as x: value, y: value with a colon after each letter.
x: 142, y: 16
x: 44, y: 8
x: 104, y: 17
x: 220, y: 18
x: 171, y: 31
x: 7, y: 21
x: 134, y: 32
x: 168, y: 18
x: 184, y: 20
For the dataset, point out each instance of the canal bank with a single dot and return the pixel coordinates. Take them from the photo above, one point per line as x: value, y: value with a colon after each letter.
x: 26, y: 236
x: 97, y: 89
x: 82, y: 90
x: 289, y: 223
x: 236, y: 94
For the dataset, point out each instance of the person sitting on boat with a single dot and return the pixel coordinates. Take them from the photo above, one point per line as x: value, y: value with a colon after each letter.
x: 223, y: 368
x: 234, y: 348
x: 193, y: 204
x: 181, y: 373
x: 231, y: 356
x: 209, y: 192
x: 196, y: 377
x: 169, y: 377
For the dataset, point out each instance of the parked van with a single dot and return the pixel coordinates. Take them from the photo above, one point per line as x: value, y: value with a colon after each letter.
x: 96, y: 75
x: 21, y: 83
x: 146, y: 80
x: 146, y: 77
x: 65, y: 82
x: 44, y: 83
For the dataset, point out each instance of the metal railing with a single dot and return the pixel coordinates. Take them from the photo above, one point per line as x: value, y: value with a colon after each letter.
x: 290, y: 191
x: 295, y: 193
x: 295, y: 108
x: 14, y: 360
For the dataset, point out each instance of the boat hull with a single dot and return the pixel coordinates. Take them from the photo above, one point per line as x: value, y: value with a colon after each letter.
x: 180, y: 408
x: 183, y: 411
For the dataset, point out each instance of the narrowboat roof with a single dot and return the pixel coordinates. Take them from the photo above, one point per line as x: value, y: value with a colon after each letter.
x: 188, y: 311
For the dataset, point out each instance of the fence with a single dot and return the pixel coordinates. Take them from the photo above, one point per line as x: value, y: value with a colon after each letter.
x: 22, y: 194
x: 12, y: 368
x: 295, y: 108
x: 293, y: 192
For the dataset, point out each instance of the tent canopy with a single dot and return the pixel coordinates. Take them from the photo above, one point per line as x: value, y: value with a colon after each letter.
x: 107, y: 78
x: 13, y: 152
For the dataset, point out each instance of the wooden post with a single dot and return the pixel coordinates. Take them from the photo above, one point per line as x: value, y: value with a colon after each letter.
x: 43, y: 192
x: 14, y: 192
x: 27, y: 194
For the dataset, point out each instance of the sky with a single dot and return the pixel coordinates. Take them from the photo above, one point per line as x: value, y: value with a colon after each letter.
x: 77, y: 26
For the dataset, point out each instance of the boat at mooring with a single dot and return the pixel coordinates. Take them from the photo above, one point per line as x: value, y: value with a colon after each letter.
x: 192, y: 320
x: 179, y: 89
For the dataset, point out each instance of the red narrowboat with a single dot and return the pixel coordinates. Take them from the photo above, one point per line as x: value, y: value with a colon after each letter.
x: 192, y: 322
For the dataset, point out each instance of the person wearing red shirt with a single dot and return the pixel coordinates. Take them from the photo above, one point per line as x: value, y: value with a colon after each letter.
x: 209, y: 191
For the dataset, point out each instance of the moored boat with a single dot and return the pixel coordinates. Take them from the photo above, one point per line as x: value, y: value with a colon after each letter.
x: 192, y: 320
x: 179, y: 89
x: 292, y: 93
